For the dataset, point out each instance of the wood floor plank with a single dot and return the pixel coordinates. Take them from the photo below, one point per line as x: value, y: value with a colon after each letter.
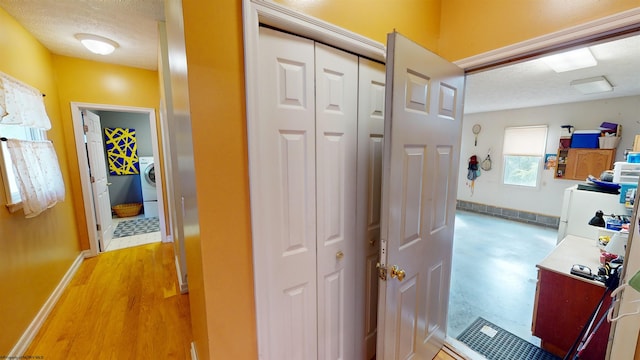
x: 122, y: 304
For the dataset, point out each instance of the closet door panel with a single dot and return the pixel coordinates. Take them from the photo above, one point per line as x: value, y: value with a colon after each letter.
x: 285, y: 243
x: 369, y: 192
x: 336, y: 136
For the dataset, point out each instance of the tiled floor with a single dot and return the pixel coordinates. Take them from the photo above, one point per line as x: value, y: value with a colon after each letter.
x: 129, y: 241
x: 494, y: 272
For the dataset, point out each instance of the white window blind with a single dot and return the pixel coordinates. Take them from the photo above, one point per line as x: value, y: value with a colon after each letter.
x: 525, y: 140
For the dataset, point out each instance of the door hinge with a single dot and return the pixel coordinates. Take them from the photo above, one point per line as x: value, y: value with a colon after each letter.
x: 85, y: 128
x: 382, y: 272
x: 92, y: 179
x: 99, y: 227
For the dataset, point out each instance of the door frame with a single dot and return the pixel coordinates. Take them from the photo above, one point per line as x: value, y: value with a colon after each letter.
x: 83, y: 160
x: 256, y: 12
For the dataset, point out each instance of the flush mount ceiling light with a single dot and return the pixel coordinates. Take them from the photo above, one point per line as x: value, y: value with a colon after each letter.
x: 592, y: 85
x: 97, y: 44
x: 571, y: 60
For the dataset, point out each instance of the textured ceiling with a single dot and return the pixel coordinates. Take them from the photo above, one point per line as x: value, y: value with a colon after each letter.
x: 133, y: 24
x: 130, y: 23
x: 533, y: 83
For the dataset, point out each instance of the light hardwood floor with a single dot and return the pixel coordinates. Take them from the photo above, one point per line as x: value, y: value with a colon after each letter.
x: 122, y: 304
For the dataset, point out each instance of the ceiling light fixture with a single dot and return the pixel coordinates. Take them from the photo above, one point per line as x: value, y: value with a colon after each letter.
x: 571, y: 60
x: 592, y: 85
x: 97, y: 44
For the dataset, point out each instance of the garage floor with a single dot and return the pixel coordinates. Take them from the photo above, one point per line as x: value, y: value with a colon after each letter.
x: 494, y: 272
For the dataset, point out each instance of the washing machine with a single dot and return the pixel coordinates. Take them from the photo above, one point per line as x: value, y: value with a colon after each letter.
x: 148, y: 185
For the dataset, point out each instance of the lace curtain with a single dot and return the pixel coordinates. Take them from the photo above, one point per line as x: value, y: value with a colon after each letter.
x: 21, y: 105
x: 35, y: 164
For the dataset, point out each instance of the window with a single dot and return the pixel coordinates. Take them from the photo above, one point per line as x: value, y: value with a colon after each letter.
x: 28, y: 163
x: 523, y: 152
x: 12, y: 190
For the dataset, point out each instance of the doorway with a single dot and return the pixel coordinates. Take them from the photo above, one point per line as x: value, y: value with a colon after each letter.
x: 145, y: 115
x: 294, y: 27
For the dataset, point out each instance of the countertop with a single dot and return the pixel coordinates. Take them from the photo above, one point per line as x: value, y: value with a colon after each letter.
x: 573, y: 250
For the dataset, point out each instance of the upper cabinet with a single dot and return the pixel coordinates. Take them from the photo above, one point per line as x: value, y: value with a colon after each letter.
x: 578, y: 164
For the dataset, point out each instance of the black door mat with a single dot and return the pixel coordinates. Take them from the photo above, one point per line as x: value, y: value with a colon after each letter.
x: 136, y: 227
x: 496, y: 343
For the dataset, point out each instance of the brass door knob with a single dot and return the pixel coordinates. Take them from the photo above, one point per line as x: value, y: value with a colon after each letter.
x: 339, y: 255
x: 397, y: 273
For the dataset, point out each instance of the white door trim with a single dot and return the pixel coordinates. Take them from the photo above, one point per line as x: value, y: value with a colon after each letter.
x: 256, y: 12
x: 580, y: 33
x: 623, y: 338
x: 85, y: 183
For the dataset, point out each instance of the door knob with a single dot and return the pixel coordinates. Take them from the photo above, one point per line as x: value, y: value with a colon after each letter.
x: 372, y: 242
x: 339, y: 255
x: 398, y: 273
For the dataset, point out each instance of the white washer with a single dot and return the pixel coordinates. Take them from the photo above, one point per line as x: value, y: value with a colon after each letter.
x: 148, y: 185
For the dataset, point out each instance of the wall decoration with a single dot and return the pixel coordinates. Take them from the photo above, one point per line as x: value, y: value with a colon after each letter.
x: 550, y: 161
x: 122, y: 151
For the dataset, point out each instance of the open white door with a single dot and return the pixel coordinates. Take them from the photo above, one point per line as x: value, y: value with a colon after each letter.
x: 423, y: 118
x: 98, y: 171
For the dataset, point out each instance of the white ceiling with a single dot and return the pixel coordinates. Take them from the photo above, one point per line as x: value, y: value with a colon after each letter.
x: 533, y: 83
x: 130, y: 23
x: 133, y: 24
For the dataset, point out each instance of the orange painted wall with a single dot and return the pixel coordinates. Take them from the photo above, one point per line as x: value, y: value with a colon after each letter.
x: 471, y: 27
x: 34, y: 253
x: 213, y: 36
x: 418, y: 20
x: 99, y: 83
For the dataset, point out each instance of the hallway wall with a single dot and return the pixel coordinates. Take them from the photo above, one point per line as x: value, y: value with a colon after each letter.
x: 34, y: 253
x: 98, y: 83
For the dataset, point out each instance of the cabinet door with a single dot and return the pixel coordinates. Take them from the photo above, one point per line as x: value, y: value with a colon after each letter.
x: 562, y: 308
x: 587, y: 162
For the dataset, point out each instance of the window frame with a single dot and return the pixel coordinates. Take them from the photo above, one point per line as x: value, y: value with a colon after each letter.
x: 11, y: 188
x: 529, y: 153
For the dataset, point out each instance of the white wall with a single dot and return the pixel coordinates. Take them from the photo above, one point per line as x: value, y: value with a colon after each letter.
x: 547, y: 198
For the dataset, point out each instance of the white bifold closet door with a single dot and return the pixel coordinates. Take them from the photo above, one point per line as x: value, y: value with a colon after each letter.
x: 305, y: 233
x: 369, y: 189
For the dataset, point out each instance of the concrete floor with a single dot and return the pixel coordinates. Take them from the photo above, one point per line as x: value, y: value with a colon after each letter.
x: 494, y: 274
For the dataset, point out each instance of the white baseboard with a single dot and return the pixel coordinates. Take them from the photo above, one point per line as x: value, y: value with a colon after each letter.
x: 184, y: 287
x: 194, y: 353
x: 33, y: 328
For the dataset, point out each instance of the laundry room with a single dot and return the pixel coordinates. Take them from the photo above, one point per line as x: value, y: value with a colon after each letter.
x: 134, y: 185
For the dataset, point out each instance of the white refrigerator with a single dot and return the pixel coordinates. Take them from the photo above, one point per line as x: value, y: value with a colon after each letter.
x: 579, y: 206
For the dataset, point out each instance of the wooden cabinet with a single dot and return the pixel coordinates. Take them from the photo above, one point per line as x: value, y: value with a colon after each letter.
x: 564, y: 302
x: 562, y: 307
x: 578, y: 164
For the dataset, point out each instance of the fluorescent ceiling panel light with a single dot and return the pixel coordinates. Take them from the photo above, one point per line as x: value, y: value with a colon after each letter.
x: 97, y: 44
x: 592, y: 85
x: 571, y: 60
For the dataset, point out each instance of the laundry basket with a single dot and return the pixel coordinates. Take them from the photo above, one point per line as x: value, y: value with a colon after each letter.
x: 126, y: 210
